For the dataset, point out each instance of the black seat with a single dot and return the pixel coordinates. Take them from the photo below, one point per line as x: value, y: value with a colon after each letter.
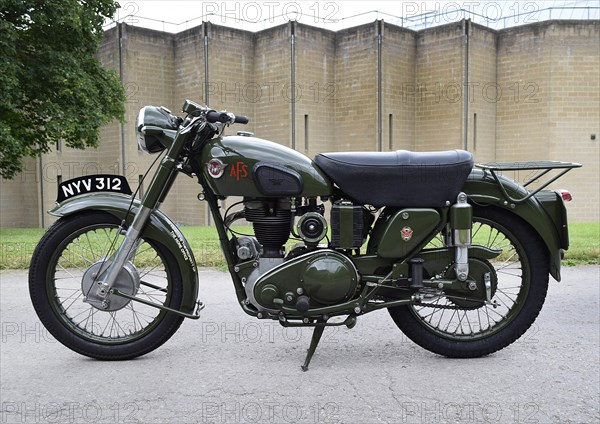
x: 400, y: 178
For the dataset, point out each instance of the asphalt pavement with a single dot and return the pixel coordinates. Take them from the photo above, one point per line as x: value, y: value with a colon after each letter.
x: 230, y: 368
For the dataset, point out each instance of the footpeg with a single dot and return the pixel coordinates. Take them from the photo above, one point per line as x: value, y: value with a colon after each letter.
x: 303, y: 304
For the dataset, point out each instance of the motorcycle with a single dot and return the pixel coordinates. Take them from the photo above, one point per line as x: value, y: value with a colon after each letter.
x: 459, y: 254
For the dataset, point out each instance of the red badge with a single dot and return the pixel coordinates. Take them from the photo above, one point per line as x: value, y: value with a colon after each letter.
x: 407, y: 233
x: 216, y: 168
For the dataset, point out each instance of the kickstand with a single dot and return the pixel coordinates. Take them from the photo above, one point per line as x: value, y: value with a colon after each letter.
x: 313, y: 344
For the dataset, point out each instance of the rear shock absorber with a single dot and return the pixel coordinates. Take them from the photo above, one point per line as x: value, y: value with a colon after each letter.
x: 461, y: 215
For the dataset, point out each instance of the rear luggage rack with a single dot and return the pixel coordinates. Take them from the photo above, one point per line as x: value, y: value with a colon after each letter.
x: 543, y: 166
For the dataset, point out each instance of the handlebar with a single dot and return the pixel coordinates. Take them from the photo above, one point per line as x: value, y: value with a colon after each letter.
x: 213, y: 116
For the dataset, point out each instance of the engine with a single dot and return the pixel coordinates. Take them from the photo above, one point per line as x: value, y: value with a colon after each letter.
x: 272, y: 222
x: 310, y: 276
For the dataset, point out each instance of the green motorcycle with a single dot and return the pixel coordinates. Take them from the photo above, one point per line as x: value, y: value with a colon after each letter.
x: 457, y: 253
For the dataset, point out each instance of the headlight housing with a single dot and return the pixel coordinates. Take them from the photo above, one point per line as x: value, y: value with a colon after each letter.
x: 155, y: 128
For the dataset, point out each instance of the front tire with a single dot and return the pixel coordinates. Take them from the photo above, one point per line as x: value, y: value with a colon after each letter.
x: 63, y: 261
x: 446, y: 328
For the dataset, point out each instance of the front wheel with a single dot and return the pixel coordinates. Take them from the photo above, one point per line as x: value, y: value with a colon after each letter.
x: 462, y: 330
x: 66, y: 264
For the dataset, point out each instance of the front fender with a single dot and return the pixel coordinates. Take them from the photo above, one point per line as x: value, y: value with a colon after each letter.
x: 481, y: 188
x: 160, y: 229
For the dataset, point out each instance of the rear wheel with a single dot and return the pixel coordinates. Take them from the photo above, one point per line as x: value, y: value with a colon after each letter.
x: 463, y: 330
x: 64, y: 269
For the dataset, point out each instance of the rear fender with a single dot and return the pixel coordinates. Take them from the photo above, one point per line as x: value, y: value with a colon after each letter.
x: 160, y: 229
x: 482, y: 189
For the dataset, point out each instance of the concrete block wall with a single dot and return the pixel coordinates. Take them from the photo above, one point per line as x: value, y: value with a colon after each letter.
x: 575, y: 112
x: 439, y: 80
x: 190, y: 83
x: 318, y: 93
x: 272, y: 71
x: 550, y: 106
x: 399, y: 49
x: 149, y: 76
x: 356, y: 83
x: 524, y: 93
x: 523, y: 115
x: 19, y: 197
x: 480, y: 94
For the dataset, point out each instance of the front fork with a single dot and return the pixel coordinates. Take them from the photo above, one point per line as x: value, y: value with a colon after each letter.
x: 157, y: 191
x: 125, y: 252
x: 461, y: 216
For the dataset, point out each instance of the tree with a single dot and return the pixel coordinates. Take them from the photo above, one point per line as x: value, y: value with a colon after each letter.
x: 52, y: 86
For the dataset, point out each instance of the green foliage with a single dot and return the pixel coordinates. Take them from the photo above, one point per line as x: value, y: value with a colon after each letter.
x: 52, y: 85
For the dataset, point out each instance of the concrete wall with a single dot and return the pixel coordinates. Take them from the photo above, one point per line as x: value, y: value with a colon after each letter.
x: 550, y: 103
x: 19, y: 198
x: 439, y: 80
x: 317, y: 90
x: 524, y: 93
x: 480, y: 94
x: 398, y: 74
x: 356, y: 83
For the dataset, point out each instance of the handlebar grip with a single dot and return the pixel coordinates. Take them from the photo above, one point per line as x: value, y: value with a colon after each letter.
x: 213, y: 116
x: 241, y: 119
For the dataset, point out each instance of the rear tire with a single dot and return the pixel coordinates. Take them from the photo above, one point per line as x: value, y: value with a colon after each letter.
x: 59, y: 263
x: 473, y: 332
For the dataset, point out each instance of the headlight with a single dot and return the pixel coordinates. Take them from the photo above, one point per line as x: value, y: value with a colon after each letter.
x: 150, y: 126
x: 139, y: 124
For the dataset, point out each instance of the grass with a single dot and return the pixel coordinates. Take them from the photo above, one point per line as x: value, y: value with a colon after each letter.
x: 17, y: 245
x: 584, y: 246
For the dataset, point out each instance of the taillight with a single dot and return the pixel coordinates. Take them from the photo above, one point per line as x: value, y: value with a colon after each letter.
x: 566, y: 196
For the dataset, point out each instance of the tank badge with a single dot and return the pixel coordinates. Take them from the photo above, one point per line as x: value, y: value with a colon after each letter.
x: 216, y: 168
x: 407, y: 233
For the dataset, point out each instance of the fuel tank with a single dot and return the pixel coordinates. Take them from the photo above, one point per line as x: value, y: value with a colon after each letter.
x: 252, y: 167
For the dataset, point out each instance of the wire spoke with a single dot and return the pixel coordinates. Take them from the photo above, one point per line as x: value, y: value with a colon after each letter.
x: 126, y: 322
x: 506, y: 295
x: 138, y: 313
x: 447, y: 315
x: 74, y: 300
x: 151, y: 297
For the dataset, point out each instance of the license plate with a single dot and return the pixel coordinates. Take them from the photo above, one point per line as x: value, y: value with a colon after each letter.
x: 92, y: 184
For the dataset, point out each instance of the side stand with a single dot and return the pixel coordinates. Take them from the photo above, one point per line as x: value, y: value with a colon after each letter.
x: 316, y: 337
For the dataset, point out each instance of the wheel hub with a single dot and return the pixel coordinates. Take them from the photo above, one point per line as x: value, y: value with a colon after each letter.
x: 477, y: 270
x: 127, y: 281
